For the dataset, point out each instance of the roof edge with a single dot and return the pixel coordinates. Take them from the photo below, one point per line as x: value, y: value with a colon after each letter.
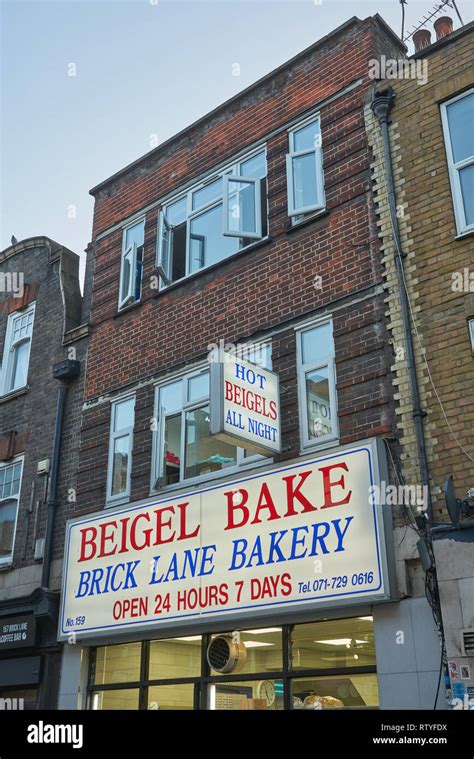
x: 34, y: 242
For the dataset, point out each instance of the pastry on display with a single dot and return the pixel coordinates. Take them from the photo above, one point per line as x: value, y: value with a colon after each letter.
x: 321, y: 702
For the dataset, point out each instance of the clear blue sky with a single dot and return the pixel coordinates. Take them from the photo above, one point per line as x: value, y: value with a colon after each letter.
x: 143, y: 68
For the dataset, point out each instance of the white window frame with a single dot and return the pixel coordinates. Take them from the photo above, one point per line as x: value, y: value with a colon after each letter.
x: 163, y: 258
x: 113, y: 435
x: 318, y: 159
x: 329, y: 360
x: 470, y: 325
x: 243, y: 462
x: 454, y: 168
x: 228, y: 179
x: 4, y: 465
x: 130, y: 251
x: 9, y: 347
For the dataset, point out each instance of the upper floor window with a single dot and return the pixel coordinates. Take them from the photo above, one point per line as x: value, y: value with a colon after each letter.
x: 317, y: 385
x: 16, y: 352
x: 10, y: 484
x: 132, y: 264
x: 120, y: 449
x: 184, y: 449
x: 214, y: 219
x: 471, y: 333
x: 458, y: 119
x: 304, y: 169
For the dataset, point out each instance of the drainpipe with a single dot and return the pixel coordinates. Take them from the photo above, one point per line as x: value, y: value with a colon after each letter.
x: 64, y: 371
x: 382, y: 105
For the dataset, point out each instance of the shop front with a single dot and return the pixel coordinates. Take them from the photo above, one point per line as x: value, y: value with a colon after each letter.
x: 256, y: 593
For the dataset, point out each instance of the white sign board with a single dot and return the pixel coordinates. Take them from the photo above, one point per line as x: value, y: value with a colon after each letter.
x: 245, y: 404
x: 293, y: 538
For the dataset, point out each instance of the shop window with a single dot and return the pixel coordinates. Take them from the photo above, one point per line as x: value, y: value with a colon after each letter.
x: 317, y: 385
x: 264, y: 651
x: 457, y: 117
x: 120, y: 699
x: 336, y: 643
x: 10, y: 485
x: 183, y: 447
x: 16, y: 352
x: 304, y: 170
x: 120, y: 449
x: 211, y: 221
x: 117, y: 664
x: 345, y: 691
x: 132, y: 264
x: 177, y: 696
x: 176, y: 657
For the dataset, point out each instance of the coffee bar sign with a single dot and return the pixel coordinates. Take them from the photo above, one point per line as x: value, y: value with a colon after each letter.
x: 245, y: 405
x: 305, y: 536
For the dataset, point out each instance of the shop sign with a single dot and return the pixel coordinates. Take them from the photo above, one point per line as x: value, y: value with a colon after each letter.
x: 17, y: 632
x: 290, y: 539
x: 245, y: 404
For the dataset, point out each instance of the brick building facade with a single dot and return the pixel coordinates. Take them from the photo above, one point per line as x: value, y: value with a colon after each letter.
x: 436, y: 224
x: 303, y: 283
x: 42, y: 311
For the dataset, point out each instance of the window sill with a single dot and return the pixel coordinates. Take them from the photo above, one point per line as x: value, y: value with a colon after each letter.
x: 320, y: 447
x: 314, y: 217
x: 125, y: 309
x: 118, y: 502
x: 462, y: 235
x: 191, y: 277
x: 14, y: 394
x: 6, y: 566
x: 206, y: 479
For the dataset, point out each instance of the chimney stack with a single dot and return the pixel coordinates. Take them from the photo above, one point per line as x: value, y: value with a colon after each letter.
x: 422, y: 39
x: 443, y: 26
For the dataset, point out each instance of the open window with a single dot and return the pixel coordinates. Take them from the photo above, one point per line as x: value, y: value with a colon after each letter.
x: 16, y: 351
x: 132, y: 264
x: 304, y: 169
x: 242, y: 207
x: 457, y: 117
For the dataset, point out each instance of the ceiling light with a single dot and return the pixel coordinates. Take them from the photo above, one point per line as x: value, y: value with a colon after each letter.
x: 366, y: 619
x: 262, y: 631
x: 190, y: 637
x: 256, y: 643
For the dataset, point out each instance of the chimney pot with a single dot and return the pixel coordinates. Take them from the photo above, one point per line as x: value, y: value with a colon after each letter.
x: 443, y: 26
x: 421, y: 39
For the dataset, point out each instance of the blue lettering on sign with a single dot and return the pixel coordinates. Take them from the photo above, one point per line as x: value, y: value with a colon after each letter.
x: 299, y: 542
x: 97, y: 581
x: 262, y: 430
x: 234, y: 419
x: 192, y: 563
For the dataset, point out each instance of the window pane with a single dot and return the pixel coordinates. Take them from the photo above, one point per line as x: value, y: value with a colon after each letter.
x: 206, y: 194
x: 115, y: 699
x: 305, y: 138
x: 172, y: 452
x: 319, y: 407
x: 316, y: 344
x: 165, y: 697
x: 257, y: 354
x: 262, y: 695
x: 117, y: 664
x: 171, y: 398
x: 207, y: 242
x: 120, y: 464
x: 304, y: 181
x: 349, y: 691
x: 336, y: 643
x: 198, y: 387
x: 173, y: 658
x: 205, y: 454
x: 176, y: 212
x: 264, y: 651
x: 127, y: 273
x: 19, y: 365
x: 255, y: 167
x: 178, y: 252
x: 124, y: 414
x: 467, y: 186
x: 461, y: 120
x: 135, y: 235
x: 241, y: 208
x: 7, y: 527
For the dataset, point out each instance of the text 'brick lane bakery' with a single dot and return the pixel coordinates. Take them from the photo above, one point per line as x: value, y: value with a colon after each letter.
x: 254, y: 592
